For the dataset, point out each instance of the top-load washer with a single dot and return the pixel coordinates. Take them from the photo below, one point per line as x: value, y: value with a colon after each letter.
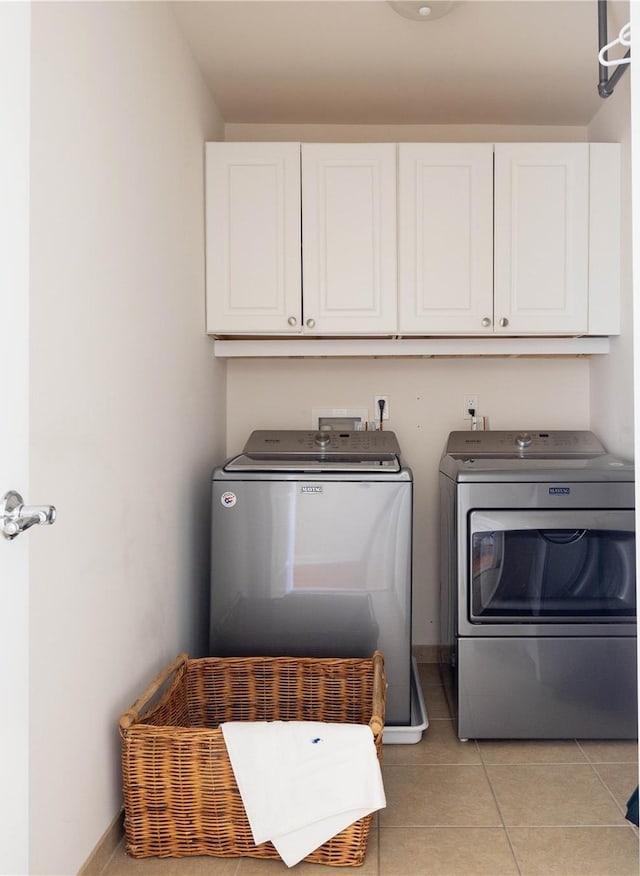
x: 311, y: 552
x: 538, y: 585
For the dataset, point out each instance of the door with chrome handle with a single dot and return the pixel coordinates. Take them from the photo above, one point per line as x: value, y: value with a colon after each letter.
x: 16, y: 517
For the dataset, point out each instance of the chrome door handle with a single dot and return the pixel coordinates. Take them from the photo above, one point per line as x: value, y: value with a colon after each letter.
x: 15, y: 516
x: 486, y: 322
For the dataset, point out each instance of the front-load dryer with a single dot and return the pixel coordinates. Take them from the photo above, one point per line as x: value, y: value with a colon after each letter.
x: 538, y: 586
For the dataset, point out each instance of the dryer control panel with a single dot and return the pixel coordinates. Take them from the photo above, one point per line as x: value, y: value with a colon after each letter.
x: 556, y: 444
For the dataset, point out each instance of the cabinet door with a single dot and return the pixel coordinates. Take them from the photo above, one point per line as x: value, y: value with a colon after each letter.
x: 541, y: 237
x: 604, y: 238
x: 445, y: 224
x: 253, y: 238
x: 349, y: 238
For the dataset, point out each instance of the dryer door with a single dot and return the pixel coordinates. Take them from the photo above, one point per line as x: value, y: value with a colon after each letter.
x: 549, y: 567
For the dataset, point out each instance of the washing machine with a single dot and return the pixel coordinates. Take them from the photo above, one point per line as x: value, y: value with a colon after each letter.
x: 311, y: 552
x: 538, y: 586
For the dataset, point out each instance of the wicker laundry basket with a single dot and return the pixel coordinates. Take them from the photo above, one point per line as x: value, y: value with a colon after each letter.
x: 180, y: 794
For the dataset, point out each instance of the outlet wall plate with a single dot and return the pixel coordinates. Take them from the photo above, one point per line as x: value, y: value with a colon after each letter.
x: 471, y: 400
x: 376, y: 409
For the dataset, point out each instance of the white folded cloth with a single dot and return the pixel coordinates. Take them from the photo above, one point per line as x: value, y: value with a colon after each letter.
x: 302, y: 782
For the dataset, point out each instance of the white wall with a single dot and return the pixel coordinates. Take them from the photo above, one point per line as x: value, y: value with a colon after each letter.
x: 127, y: 404
x: 612, y: 375
x: 426, y: 403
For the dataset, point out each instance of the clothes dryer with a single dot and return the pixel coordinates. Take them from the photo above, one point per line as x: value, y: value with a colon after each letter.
x: 538, y: 589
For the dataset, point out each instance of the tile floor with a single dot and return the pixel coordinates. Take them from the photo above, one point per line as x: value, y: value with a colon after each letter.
x: 476, y: 809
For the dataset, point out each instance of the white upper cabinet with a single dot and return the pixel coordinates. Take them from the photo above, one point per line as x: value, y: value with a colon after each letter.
x: 415, y: 239
x: 256, y: 193
x: 253, y: 238
x: 445, y: 238
x: 541, y: 282
x: 604, y: 238
x: 502, y: 239
x: 349, y: 238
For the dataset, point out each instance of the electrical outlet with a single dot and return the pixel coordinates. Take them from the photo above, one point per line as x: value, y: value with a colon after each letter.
x: 376, y: 409
x: 471, y: 401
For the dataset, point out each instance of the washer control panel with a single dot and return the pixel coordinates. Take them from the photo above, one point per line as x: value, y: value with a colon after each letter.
x: 362, y: 445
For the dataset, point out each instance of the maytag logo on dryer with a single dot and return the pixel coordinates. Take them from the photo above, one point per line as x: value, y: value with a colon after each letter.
x: 316, y: 488
x: 559, y: 491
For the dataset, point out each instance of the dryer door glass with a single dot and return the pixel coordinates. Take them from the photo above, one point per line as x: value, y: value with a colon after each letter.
x: 546, y: 567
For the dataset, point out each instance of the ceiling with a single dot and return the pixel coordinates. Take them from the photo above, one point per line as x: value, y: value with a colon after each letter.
x: 510, y: 62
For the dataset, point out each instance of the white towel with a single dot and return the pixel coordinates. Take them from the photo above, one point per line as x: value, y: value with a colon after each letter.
x: 302, y: 782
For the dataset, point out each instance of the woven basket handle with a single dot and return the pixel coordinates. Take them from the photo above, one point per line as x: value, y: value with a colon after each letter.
x: 132, y: 714
x: 379, y: 685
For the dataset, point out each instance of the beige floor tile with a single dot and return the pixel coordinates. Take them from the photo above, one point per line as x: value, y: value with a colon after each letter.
x: 525, y: 751
x: 439, y: 744
x: 435, y: 702
x: 111, y: 843
x: 620, y: 778
x: 557, y: 794
x: 446, y: 852
x: 429, y: 674
x: 438, y: 796
x: 575, y: 851
x: 598, y: 751
x: 122, y: 864
x: 257, y: 867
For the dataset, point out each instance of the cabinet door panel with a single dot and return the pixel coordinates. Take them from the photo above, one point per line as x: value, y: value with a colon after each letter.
x: 445, y: 210
x: 541, y: 237
x: 604, y: 238
x: 349, y: 234
x: 253, y: 237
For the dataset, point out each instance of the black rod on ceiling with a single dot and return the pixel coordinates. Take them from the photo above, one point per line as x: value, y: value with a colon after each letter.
x: 606, y: 83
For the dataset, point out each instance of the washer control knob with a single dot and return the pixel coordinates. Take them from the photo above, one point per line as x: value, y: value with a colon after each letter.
x: 322, y: 439
x: 523, y: 439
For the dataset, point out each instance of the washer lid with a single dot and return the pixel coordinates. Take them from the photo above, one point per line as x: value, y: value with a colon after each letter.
x: 326, y: 450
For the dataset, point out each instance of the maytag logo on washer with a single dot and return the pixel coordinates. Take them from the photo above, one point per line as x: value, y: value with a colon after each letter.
x: 559, y: 491
x: 314, y: 489
x: 228, y: 500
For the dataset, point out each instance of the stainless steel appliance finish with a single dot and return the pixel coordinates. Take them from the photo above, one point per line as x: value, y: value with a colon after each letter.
x: 538, y: 585
x: 311, y: 552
